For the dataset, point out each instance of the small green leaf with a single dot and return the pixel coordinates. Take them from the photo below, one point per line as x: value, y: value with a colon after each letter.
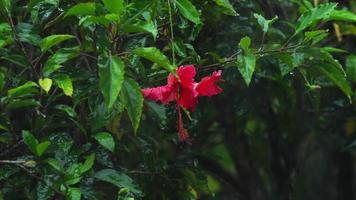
x: 246, y: 62
x: 88, y: 164
x: 111, y: 77
x: 264, y: 23
x: 142, y: 26
x: 42, y: 147
x: 45, y: 84
x: 343, y: 15
x: 133, y: 100
x: 227, y: 8
x: 54, y: 163
x: 245, y: 43
x: 65, y: 83
x: 188, y: 10
x: 322, y: 12
x: 115, y: 6
x: 82, y: 9
x: 246, y: 65
x: 153, y: 54
x: 315, y: 36
x: 30, y: 141
x: 106, y: 140
x: 74, y: 194
x: 67, y: 109
x: 336, y: 76
x: 25, y: 89
x: 119, y: 179
x: 351, y: 67
x: 53, y: 40
x: 61, y: 56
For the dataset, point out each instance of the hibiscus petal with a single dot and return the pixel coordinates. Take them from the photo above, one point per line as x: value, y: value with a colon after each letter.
x: 186, y: 75
x: 165, y: 94
x: 207, y: 86
x: 188, y: 98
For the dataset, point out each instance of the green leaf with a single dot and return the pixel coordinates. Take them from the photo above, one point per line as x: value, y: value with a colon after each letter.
x: 74, y: 194
x: 30, y: 141
x: 53, y: 40
x: 153, y: 54
x: 60, y: 57
x: 264, y: 23
x: 315, y: 36
x: 188, y: 10
x: 246, y: 65
x: 228, y: 9
x: 115, y: 6
x: 54, y: 163
x: 65, y: 83
x: 106, y: 140
x: 45, y: 84
x: 142, y: 26
x: 67, y: 109
x: 88, y: 164
x: 133, y: 100
x: 42, y: 147
x: 22, y: 103
x: 2, y: 80
x: 5, y: 7
x: 322, y: 12
x: 25, y: 89
x: 119, y: 179
x: 111, y: 77
x: 336, y: 76
x: 246, y: 62
x: 343, y: 15
x: 245, y: 43
x: 82, y: 9
x: 351, y: 67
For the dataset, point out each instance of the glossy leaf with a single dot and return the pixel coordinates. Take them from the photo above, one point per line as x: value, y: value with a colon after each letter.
x: 153, y: 54
x: 42, y: 147
x: 119, y: 179
x: 45, y: 84
x: 82, y: 9
x: 30, y: 141
x: 115, y: 6
x: 25, y: 89
x: 74, y: 194
x: 336, y: 76
x: 343, y: 15
x: 111, y: 77
x: 64, y: 82
x: 53, y: 40
x: 264, y: 23
x: 56, y: 60
x: 322, y: 12
x: 228, y: 9
x: 106, y: 140
x: 88, y: 164
x: 188, y: 10
x: 141, y: 26
x: 133, y: 100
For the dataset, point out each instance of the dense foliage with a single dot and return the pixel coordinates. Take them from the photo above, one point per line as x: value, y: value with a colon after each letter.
x: 74, y: 123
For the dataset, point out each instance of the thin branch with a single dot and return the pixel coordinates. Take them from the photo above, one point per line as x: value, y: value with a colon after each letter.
x: 19, y: 43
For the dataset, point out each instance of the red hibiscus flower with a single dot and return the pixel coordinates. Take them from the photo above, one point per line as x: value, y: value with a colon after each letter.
x: 185, y: 91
